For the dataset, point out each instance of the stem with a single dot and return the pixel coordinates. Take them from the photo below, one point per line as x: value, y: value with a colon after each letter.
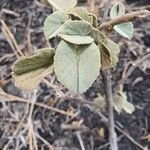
x: 124, y: 18
x: 109, y: 100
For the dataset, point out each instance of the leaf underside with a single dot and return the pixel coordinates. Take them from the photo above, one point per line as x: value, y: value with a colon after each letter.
x: 125, y: 29
x: 77, y: 67
x: 28, y: 72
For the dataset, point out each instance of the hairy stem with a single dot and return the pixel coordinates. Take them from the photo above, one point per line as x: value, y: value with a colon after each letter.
x: 109, y: 100
x: 124, y: 18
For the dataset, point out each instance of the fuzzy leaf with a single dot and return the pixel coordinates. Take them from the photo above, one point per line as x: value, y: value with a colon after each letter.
x: 63, y: 4
x: 81, y: 13
x: 28, y: 72
x: 54, y: 23
x: 125, y: 29
x: 77, y: 67
x: 94, y: 19
x: 109, y: 51
x: 80, y: 28
x: 98, y: 36
x: 121, y: 103
x: 117, y: 10
x: 78, y: 40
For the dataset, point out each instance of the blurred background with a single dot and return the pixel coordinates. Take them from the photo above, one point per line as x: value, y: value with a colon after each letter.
x: 21, y: 28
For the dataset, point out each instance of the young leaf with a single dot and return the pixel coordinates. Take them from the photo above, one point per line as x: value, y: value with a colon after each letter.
x: 94, y: 19
x: 80, y: 13
x: 121, y: 103
x: 80, y: 28
x: 125, y: 29
x: 98, y: 36
x: 78, y: 40
x: 54, y: 23
x: 117, y: 10
x: 109, y: 54
x: 28, y: 72
x: 77, y: 67
x: 63, y: 4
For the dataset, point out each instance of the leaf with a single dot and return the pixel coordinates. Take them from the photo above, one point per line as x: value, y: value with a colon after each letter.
x: 77, y: 67
x: 63, y: 4
x: 109, y: 54
x: 94, y: 20
x: 82, y: 14
x: 125, y: 29
x: 54, y: 23
x: 28, y: 72
x: 117, y: 10
x: 80, y: 28
x: 100, y: 104
x: 98, y: 36
x: 78, y: 40
x: 121, y: 103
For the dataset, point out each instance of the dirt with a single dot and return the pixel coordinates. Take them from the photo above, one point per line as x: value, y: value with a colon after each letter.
x: 48, y: 124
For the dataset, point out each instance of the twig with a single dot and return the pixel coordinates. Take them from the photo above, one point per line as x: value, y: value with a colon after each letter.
x: 11, y: 37
x: 128, y: 70
x: 44, y: 141
x: 109, y: 100
x: 124, y: 18
x: 12, y: 98
x: 80, y: 140
x: 32, y: 139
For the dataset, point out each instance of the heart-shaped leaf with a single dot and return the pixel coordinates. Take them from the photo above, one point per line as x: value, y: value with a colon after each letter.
x: 117, y: 10
x: 77, y: 67
x: 78, y: 40
x: 28, y: 72
x: 109, y: 54
x: 63, y: 4
x: 121, y: 103
x: 54, y: 23
x: 125, y: 29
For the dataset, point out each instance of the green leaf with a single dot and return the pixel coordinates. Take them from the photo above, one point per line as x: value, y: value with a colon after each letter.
x: 78, y: 40
x: 63, y: 4
x: 125, y: 29
x: 28, y: 72
x: 80, y: 28
x: 109, y: 54
x: 80, y: 13
x: 117, y: 10
x: 54, y: 23
x: 77, y: 67
x: 121, y: 103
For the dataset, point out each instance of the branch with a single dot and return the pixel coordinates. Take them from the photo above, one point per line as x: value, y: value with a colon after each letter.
x: 109, y: 99
x: 125, y: 18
